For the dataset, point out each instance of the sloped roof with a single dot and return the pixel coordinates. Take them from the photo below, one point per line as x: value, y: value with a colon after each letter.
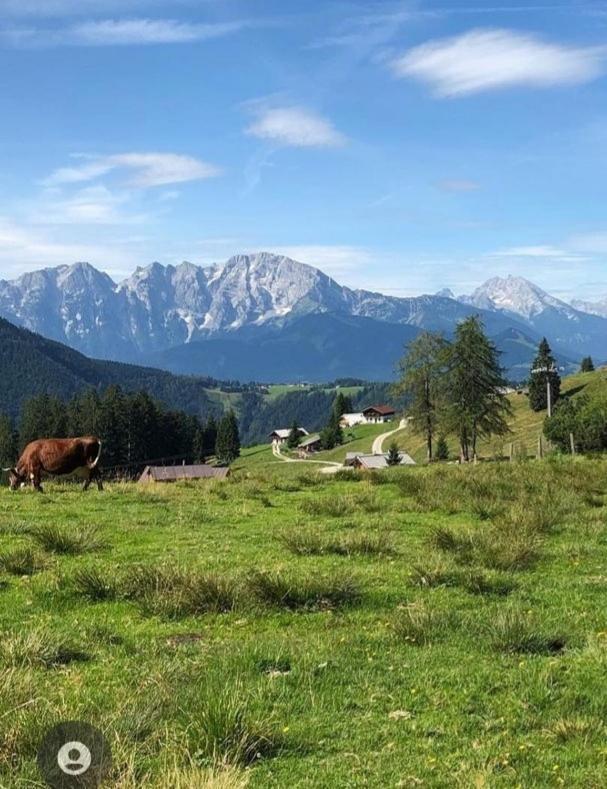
x: 285, y: 432
x: 384, y: 410
x: 381, y: 461
x: 174, y: 473
x: 310, y: 440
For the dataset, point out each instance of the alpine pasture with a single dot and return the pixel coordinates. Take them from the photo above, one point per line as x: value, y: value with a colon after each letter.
x: 430, y: 626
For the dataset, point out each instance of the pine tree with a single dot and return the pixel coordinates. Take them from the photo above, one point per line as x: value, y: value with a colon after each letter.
x: 393, y: 458
x: 442, y: 449
x: 546, y: 370
x: 342, y: 405
x: 227, y: 448
x: 8, y: 442
x: 477, y: 406
x: 587, y: 365
x: 422, y: 372
x: 210, y: 436
x: 42, y: 417
x: 294, y: 436
x: 332, y: 435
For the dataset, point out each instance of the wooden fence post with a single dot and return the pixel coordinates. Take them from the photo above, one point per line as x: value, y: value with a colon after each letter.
x: 572, y: 443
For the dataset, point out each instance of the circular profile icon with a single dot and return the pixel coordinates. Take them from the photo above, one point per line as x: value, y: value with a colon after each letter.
x: 74, y: 754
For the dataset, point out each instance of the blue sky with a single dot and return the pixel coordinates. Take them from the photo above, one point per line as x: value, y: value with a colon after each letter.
x: 399, y: 146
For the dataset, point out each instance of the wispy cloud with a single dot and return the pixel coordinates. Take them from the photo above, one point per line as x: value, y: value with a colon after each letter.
x: 146, y: 169
x: 486, y: 59
x: 333, y: 259
x: 458, y: 185
x: 56, y: 8
x: 25, y: 248
x: 120, y: 32
x: 296, y: 127
x: 542, y: 251
x: 93, y: 205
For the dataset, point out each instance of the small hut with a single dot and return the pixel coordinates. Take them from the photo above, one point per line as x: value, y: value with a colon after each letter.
x: 174, y: 473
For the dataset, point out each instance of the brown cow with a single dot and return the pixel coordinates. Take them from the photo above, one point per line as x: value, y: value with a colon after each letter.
x: 57, y: 456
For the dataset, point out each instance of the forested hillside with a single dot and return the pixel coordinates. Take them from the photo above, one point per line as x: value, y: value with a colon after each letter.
x: 31, y: 365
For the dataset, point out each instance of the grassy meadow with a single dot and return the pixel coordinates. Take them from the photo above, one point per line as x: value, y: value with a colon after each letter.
x: 442, y: 626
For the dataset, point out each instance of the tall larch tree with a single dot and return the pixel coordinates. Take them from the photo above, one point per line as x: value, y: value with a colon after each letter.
x: 422, y: 377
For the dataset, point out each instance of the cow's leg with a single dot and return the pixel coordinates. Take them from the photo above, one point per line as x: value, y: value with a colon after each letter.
x: 94, y: 474
x: 36, y: 479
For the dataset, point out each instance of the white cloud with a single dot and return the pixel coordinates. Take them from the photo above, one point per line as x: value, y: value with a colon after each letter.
x: 120, y: 32
x: 296, y: 127
x: 147, y: 169
x: 486, y: 59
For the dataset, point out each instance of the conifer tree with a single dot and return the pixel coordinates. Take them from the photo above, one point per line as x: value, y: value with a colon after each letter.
x: 442, y: 449
x: 42, y: 416
x: 393, y: 458
x: 342, y: 405
x: 422, y: 372
x: 476, y: 404
x: 294, y: 436
x: 8, y: 442
x: 587, y: 365
x: 227, y: 447
x: 332, y: 435
x: 545, y: 370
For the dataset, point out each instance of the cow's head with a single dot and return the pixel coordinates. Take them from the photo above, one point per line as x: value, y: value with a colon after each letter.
x: 15, y: 480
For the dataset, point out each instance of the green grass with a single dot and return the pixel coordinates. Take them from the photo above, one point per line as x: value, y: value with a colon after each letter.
x: 447, y: 627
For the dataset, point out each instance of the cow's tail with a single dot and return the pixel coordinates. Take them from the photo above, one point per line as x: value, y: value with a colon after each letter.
x: 94, y: 463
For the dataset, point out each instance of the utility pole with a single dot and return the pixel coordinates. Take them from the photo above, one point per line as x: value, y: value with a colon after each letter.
x: 547, y: 370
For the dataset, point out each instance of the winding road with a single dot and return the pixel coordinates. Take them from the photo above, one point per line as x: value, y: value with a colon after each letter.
x: 378, y: 444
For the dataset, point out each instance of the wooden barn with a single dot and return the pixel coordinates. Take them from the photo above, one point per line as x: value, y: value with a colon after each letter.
x: 174, y: 473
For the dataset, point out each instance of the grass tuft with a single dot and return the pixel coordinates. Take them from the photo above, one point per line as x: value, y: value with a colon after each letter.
x: 223, y: 729
x: 515, y: 632
x: 419, y: 625
x: 39, y: 648
x: 309, y: 592
x: 68, y: 539
x: 313, y: 543
x: 89, y: 582
x: 174, y: 592
x: 21, y: 561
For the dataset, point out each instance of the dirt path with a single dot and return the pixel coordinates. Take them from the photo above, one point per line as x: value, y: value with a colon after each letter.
x: 328, y: 464
x: 378, y: 444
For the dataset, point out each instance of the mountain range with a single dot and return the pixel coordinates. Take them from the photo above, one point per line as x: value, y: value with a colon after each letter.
x: 269, y: 318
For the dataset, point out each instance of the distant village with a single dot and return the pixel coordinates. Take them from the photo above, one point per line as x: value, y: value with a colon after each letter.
x: 310, y: 444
